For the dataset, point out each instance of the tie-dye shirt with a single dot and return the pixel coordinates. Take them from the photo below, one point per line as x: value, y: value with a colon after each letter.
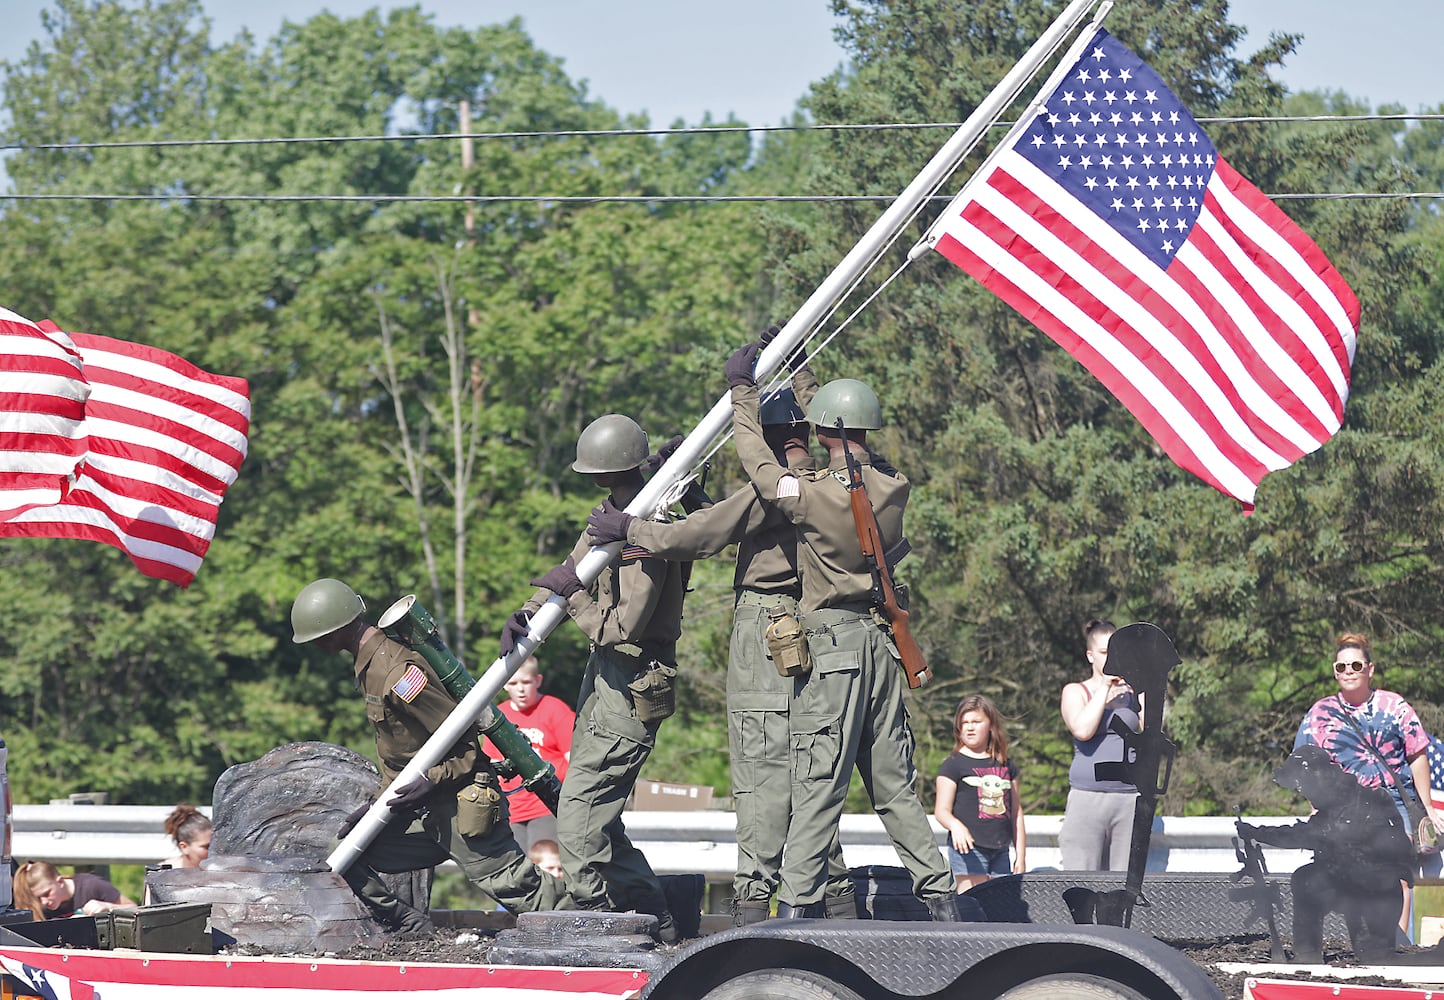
x: 1387, y: 721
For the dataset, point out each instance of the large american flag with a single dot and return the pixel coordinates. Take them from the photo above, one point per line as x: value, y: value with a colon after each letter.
x: 42, y: 414
x: 1111, y: 223
x: 162, y: 442
x: 1435, y: 753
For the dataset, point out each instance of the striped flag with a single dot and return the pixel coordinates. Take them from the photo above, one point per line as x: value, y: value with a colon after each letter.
x: 1110, y: 222
x: 165, y: 441
x: 1435, y: 751
x: 42, y: 411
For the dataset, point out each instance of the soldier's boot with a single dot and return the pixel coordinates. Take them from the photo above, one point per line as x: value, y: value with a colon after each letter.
x: 750, y: 911
x: 655, y: 903
x: 840, y: 907
x: 789, y: 911
x: 944, y: 908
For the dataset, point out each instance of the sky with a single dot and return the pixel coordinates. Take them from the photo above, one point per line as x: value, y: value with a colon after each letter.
x: 680, y: 58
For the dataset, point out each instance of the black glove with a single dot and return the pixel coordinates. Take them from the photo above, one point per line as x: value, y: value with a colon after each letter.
x: 740, y: 365
x: 768, y: 335
x: 561, y: 579
x: 515, y: 629
x: 608, y: 523
x: 349, y: 823
x: 1246, y: 831
x: 654, y: 461
x: 412, y: 796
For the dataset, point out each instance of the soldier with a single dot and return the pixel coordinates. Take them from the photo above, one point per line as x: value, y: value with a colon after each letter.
x: 633, y: 624
x: 848, y: 710
x: 437, y: 815
x: 757, y: 694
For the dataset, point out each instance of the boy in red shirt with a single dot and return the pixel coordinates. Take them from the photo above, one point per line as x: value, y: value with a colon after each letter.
x: 548, y: 722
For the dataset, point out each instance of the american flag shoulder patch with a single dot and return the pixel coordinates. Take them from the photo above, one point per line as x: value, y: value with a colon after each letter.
x: 631, y: 552
x: 412, y: 683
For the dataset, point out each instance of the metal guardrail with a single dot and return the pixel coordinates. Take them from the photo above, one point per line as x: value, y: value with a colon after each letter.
x: 675, y: 842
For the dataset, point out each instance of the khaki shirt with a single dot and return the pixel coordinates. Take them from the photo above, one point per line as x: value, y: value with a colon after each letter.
x: 829, y: 556
x: 766, y: 541
x: 406, y: 702
x: 638, y: 601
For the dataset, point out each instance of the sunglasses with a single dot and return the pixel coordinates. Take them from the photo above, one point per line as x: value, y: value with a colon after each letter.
x: 1356, y: 667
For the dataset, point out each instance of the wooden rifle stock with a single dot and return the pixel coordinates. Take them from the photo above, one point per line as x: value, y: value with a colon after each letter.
x: 869, y: 537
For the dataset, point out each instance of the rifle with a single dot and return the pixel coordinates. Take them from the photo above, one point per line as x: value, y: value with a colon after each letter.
x: 1262, y: 894
x: 884, y: 594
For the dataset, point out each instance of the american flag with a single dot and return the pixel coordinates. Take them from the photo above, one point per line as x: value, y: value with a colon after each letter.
x: 411, y: 684
x: 1110, y: 222
x: 1436, y: 772
x: 163, y: 442
x: 42, y: 415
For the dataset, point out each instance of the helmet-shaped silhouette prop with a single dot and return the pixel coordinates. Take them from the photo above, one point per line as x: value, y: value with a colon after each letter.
x: 781, y: 409
x: 849, y: 399
x: 611, y: 443
x: 322, y: 607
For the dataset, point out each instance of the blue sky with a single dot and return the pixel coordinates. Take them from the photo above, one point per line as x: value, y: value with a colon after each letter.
x: 681, y: 58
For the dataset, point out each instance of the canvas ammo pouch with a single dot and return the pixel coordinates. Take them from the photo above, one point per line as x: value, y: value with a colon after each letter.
x: 478, y: 806
x: 787, y: 643
x: 654, y: 697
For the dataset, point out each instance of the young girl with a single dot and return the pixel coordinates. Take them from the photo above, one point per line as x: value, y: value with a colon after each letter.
x: 977, y: 799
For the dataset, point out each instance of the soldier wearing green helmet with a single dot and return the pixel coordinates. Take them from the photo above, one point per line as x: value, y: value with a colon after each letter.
x: 758, y: 695
x: 406, y: 702
x: 633, y: 623
x: 848, y: 709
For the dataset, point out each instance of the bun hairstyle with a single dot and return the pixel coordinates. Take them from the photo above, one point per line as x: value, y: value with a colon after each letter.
x: 185, y: 823
x: 1097, y: 626
x: 1355, y: 640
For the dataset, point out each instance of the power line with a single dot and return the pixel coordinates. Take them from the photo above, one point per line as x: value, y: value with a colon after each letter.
x: 623, y: 132
x: 623, y: 199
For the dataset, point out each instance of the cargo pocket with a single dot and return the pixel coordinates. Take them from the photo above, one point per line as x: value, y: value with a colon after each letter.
x: 816, y: 748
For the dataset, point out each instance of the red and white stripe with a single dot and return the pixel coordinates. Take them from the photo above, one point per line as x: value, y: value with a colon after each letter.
x: 166, y: 440
x: 1236, y: 358
x: 69, y: 974
x: 42, y: 414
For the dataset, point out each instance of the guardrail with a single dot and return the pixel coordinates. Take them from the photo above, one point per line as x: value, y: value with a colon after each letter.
x: 674, y: 842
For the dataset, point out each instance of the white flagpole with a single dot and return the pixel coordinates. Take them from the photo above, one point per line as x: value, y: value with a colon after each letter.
x: 694, y: 447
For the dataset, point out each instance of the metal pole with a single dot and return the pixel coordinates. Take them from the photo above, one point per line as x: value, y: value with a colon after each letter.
x: 694, y: 446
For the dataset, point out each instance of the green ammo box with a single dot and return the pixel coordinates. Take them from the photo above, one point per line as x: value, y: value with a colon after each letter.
x: 164, y: 927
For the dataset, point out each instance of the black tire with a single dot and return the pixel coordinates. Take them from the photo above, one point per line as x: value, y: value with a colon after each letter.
x: 1072, y: 986
x: 781, y: 984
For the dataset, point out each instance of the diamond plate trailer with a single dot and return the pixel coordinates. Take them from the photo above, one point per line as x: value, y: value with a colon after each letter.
x: 884, y: 960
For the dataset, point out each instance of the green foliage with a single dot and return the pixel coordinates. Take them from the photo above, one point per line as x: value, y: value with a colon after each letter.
x: 419, y: 380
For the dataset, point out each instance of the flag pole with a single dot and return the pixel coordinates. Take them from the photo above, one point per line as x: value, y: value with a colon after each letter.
x: 694, y: 446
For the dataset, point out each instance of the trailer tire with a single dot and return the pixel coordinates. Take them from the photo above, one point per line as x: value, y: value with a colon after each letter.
x: 1072, y: 986
x: 781, y: 984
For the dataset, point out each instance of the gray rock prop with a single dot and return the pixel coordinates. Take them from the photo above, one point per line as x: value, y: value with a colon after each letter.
x: 275, y: 824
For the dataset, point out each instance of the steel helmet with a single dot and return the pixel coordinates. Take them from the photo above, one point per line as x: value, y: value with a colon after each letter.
x: 849, y: 399
x: 322, y: 607
x: 611, y: 443
x: 781, y: 409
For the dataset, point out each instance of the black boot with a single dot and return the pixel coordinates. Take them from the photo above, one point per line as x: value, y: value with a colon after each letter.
x: 807, y: 911
x: 843, y: 907
x: 944, y: 908
x: 667, y: 928
x: 750, y: 911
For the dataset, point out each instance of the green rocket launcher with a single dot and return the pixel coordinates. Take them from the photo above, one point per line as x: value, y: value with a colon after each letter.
x: 410, y: 624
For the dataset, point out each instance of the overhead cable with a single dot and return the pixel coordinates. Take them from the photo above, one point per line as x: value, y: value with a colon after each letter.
x: 635, y: 199
x: 622, y: 132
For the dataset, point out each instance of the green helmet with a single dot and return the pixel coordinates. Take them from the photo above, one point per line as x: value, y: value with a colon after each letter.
x: 323, y: 607
x: 781, y: 409
x: 849, y: 399
x: 611, y: 443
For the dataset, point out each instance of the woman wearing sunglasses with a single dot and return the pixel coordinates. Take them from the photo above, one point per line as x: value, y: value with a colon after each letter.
x: 1374, y: 735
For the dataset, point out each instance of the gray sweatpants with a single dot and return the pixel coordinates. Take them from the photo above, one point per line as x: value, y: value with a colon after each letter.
x: 1097, y: 831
